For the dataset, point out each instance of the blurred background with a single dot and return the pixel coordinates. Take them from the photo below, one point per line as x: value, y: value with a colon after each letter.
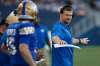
x: 85, y: 23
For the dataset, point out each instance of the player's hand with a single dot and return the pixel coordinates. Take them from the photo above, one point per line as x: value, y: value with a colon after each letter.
x: 4, y: 49
x: 57, y: 40
x: 40, y: 55
x: 61, y: 42
x: 84, y: 41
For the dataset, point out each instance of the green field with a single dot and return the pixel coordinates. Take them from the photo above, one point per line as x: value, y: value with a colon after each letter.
x: 88, y: 56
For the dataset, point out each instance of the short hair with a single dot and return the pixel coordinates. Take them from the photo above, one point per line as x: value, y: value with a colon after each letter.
x: 66, y: 8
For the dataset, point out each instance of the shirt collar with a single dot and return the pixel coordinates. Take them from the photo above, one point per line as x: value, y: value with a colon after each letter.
x: 64, y: 24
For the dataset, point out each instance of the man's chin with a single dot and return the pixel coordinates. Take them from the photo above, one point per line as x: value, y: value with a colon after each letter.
x: 67, y: 22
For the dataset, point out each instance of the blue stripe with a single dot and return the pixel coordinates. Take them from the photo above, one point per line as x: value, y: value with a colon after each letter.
x: 24, y: 6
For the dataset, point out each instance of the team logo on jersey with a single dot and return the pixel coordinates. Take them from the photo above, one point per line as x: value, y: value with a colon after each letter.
x: 11, y: 31
x: 42, y: 30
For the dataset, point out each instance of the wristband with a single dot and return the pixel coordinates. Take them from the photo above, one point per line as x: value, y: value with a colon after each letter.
x: 79, y: 41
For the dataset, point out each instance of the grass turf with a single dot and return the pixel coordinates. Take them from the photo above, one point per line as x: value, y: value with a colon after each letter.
x: 87, y: 56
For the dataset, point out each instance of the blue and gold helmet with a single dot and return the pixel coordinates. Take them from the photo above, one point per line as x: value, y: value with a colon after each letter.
x: 27, y: 8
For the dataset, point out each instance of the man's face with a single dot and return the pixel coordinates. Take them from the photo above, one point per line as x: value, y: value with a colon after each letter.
x: 2, y: 28
x: 66, y: 16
